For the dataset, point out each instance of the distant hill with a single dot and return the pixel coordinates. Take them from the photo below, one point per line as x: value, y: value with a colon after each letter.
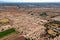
x: 30, y: 4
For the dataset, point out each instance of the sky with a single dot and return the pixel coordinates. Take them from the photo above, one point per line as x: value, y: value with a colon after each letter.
x: 30, y: 0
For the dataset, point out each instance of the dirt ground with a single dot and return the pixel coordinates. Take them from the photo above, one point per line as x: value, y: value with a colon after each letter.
x: 25, y: 22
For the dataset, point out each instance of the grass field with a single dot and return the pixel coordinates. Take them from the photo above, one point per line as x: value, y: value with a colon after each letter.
x: 4, y: 33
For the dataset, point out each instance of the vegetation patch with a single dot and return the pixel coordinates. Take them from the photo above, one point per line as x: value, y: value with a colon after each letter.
x: 52, y: 29
x: 6, y: 32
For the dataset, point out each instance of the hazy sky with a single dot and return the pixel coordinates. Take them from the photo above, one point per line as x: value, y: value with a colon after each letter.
x: 31, y: 0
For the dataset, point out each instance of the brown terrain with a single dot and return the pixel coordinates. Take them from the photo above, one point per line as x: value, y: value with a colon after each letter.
x: 28, y: 22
